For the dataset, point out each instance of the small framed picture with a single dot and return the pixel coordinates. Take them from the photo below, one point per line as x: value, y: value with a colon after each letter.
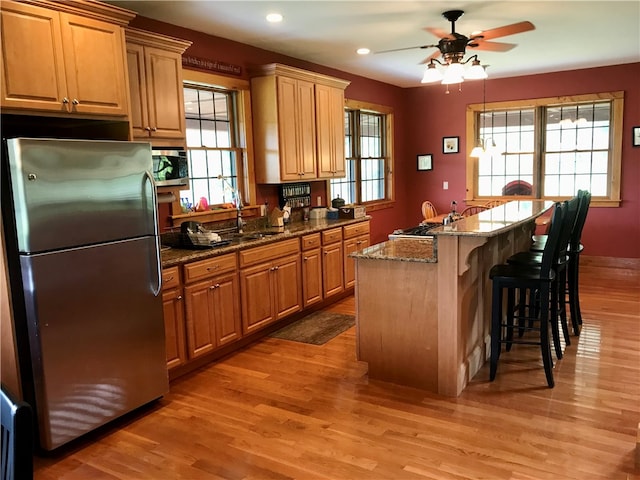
x: 425, y: 162
x: 636, y: 136
x: 450, y: 144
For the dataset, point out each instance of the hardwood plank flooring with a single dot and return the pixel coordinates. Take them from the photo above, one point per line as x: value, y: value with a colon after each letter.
x: 285, y: 410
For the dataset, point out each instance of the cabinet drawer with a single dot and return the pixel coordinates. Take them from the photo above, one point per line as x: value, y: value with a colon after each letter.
x: 207, y: 268
x: 269, y: 252
x: 356, y: 229
x: 332, y: 236
x: 170, y: 278
x: 310, y: 241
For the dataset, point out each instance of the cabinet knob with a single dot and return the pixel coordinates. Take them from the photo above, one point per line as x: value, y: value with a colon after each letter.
x: 179, y: 297
x: 217, y: 285
x: 148, y: 129
x: 305, y: 258
x: 65, y: 100
x: 75, y: 101
x: 154, y: 129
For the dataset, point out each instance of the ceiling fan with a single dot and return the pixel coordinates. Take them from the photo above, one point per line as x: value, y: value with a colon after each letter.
x: 452, y: 46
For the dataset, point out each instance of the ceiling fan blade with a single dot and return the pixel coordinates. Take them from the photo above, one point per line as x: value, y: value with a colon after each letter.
x: 504, y: 31
x: 439, y: 33
x: 405, y: 48
x: 491, y: 46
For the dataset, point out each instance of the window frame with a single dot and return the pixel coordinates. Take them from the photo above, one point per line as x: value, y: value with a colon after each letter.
x: 244, y: 147
x: 389, y: 156
x: 615, y: 146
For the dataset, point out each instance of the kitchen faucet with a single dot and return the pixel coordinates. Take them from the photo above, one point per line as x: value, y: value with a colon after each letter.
x: 240, y: 223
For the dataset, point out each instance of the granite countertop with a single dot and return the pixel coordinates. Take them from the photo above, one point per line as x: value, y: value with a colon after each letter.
x: 175, y: 256
x: 494, y: 221
x: 419, y: 249
x: 489, y: 223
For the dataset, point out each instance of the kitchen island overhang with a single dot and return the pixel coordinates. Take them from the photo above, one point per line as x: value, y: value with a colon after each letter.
x: 423, y: 307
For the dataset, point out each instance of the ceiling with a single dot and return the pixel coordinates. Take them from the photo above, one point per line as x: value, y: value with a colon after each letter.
x: 568, y: 34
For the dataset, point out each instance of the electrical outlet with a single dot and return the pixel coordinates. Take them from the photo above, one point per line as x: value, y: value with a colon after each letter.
x: 445, y: 185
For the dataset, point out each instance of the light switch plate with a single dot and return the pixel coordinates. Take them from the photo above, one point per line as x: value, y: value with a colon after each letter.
x: 445, y: 185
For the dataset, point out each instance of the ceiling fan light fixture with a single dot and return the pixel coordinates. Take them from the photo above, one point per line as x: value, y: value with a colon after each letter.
x: 476, y: 71
x: 431, y: 74
x: 454, y: 74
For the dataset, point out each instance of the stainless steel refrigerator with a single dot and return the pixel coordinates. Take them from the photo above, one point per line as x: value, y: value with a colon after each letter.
x: 84, y: 229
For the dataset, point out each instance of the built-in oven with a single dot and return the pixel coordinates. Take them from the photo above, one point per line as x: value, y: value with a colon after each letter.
x: 170, y: 167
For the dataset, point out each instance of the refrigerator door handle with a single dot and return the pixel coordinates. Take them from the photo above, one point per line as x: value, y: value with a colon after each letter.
x: 148, y: 179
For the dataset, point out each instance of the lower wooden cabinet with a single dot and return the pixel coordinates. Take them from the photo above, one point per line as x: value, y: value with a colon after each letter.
x: 212, y: 304
x: 270, y: 284
x: 311, y: 270
x: 174, y: 323
x: 356, y: 237
x: 332, y: 262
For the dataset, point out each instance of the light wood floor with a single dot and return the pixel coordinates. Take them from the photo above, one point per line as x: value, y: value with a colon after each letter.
x: 285, y: 410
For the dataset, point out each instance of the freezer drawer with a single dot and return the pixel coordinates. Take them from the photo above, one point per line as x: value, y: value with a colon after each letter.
x: 96, y: 335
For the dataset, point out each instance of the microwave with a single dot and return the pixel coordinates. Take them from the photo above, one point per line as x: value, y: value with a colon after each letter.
x: 170, y: 167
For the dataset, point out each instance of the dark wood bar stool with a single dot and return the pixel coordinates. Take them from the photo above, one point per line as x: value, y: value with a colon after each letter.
x: 537, y: 281
x: 574, y: 250
x: 534, y: 258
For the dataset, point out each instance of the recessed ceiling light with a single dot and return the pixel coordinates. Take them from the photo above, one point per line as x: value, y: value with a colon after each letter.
x: 274, y: 18
x: 363, y: 51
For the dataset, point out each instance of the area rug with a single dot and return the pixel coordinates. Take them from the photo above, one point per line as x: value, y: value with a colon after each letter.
x: 316, y: 328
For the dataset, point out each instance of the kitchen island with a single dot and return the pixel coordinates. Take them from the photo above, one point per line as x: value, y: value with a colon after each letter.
x: 423, y: 306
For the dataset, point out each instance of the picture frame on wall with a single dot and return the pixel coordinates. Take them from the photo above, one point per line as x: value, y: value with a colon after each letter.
x: 450, y: 144
x: 636, y: 136
x: 425, y: 161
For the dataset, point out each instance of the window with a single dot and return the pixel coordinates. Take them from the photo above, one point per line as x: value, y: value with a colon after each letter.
x: 211, y: 144
x: 547, y: 148
x: 368, y: 155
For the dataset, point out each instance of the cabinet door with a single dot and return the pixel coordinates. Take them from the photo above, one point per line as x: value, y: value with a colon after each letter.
x: 138, y: 117
x: 306, y: 124
x: 164, y: 93
x: 311, y: 277
x: 330, y: 128
x: 287, y: 129
x: 200, y: 325
x: 352, y: 245
x: 94, y: 58
x: 287, y: 279
x: 332, y: 274
x: 296, y: 129
x: 226, y: 306
x: 32, y: 58
x: 257, y: 293
x: 174, y: 327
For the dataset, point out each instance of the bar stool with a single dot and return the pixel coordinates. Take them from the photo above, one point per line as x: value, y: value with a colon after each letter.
x: 534, y: 258
x: 574, y: 250
x: 536, y: 280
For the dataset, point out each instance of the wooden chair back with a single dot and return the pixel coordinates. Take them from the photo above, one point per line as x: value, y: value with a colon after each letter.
x: 473, y: 209
x: 428, y: 210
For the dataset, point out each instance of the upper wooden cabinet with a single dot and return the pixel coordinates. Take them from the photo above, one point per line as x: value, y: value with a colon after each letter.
x: 298, y: 134
x: 330, y: 131
x: 64, y: 57
x: 155, y: 85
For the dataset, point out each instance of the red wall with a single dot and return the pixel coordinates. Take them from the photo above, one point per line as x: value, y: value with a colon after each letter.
x: 425, y: 114
x: 612, y: 232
